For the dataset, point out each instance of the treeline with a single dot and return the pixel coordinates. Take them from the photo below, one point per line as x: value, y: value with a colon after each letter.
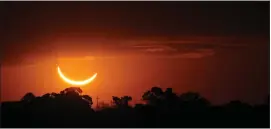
x: 70, y: 108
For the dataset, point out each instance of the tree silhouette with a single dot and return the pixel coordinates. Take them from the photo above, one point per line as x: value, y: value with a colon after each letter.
x: 237, y: 105
x: 88, y: 99
x: 171, y: 99
x: 72, y: 97
x: 153, y: 96
x: 116, y: 101
x: 70, y: 108
x: 125, y: 100
x: 193, y: 99
x: 54, y: 94
x: 169, y: 95
x: 47, y: 95
x: 72, y: 90
x: 121, y: 102
x: 28, y: 97
x: 157, y: 91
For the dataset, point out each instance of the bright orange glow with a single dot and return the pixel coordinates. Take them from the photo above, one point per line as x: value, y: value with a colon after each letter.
x: 77, y: 83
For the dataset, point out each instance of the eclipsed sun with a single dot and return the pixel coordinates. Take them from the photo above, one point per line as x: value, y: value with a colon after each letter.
x: 73, y: 82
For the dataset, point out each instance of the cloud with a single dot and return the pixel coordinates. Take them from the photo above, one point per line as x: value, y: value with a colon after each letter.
x: 154, y: 48
x: 78, y: 58
x: 196, y: 54
x: 184, y: 48
x: 169, y: 50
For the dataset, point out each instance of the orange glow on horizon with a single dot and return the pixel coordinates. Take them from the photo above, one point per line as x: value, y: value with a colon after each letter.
x: 77, y: 83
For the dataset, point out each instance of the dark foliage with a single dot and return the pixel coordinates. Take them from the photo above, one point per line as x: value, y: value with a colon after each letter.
x: 70, y: 108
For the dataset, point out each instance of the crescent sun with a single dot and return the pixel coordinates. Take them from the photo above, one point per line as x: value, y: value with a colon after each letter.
x: 72, y: 82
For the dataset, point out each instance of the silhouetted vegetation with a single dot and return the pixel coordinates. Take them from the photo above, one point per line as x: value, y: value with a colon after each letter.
x: 70, y: 108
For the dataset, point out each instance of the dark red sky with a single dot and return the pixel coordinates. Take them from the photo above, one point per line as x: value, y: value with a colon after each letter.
x: 220, y: 49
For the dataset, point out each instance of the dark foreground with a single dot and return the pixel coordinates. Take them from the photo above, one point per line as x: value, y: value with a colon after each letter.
x: 163, y: 109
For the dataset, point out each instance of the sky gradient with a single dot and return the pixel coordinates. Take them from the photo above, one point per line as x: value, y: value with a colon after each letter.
x: 219, y: 49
